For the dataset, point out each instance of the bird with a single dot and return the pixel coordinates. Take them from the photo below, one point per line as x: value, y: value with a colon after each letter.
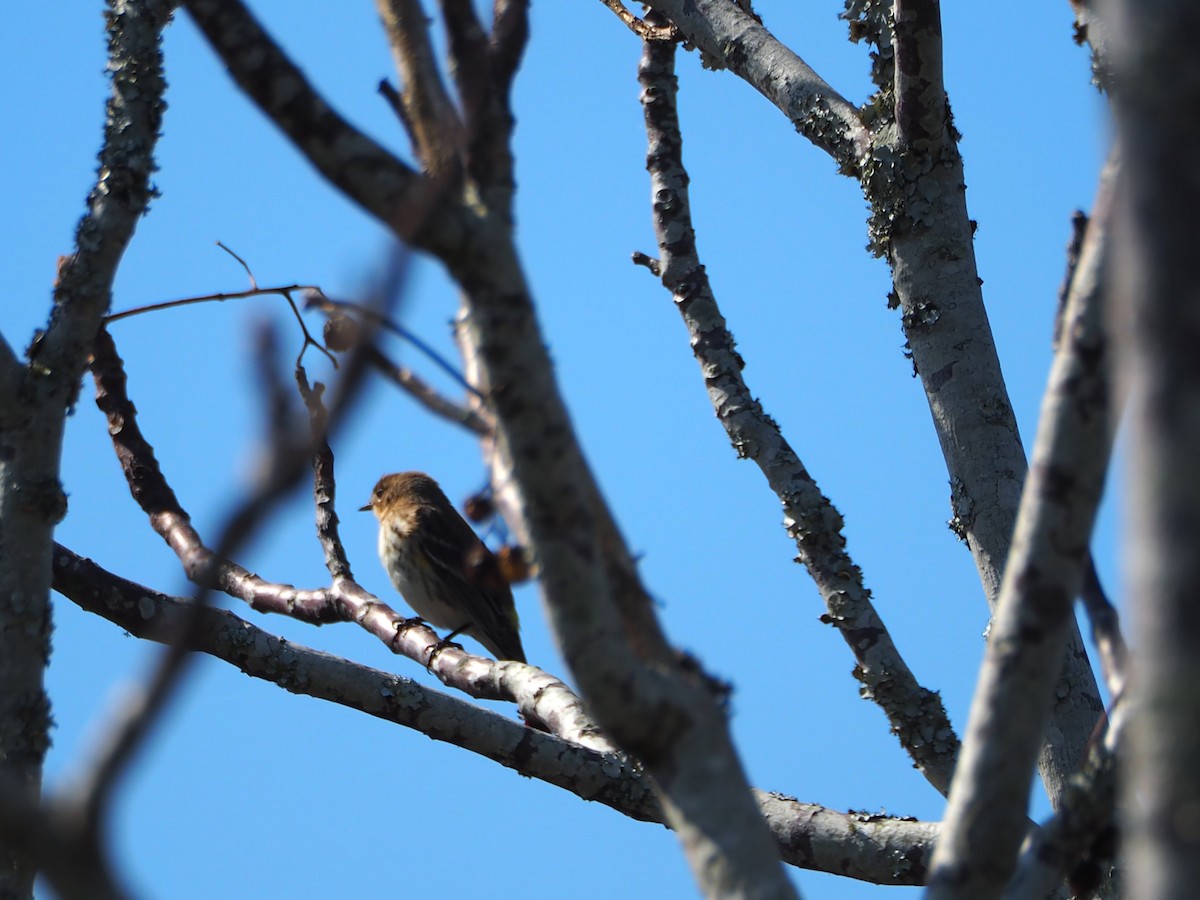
x: 446, y: 574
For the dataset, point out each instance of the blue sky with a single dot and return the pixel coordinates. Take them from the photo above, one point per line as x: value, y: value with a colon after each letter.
x: 247, y: 790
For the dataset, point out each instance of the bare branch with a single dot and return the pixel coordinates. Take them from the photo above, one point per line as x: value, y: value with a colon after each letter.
x: 425, y: 394
x: 35, y: 399
x: 916, y: 715
x: 875, y: 848
x: 919, y: 220
x: 483, y: 68
x: 1106, y: 632
x: 208, y: 298
x: 872, y: 847
x: 468, y: 45
x: 985, y: 818
x: 243, y: 264
x: 640, y: 27
x: 510, y: 34
x: 734, y: 38
x: 357, y: 165
x: 601, y: 613
x: 148, y: 614
x: 429, y: 113
x: 1091, y: 27
x: 1157, y: 288
x: 1079, y: 841
x: 538, y: 696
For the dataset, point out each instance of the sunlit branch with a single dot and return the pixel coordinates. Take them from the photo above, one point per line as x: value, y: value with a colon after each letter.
x: 916, y: 714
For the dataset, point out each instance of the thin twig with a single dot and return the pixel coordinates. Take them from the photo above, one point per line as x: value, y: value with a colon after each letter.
x: 249, y: 274
x: 208, y: 298
x: 316, y: 299
x: 640, y: 27
x: 285, y: 292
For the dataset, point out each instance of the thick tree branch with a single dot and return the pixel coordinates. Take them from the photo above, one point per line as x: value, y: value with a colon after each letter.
x: 410, y: 204
x: 35, y: 399
x: 916, y: 715
x: 985, y: 819
x: 731, y: 37
x: 919, y: 221
x: 648, y: 698
x: 1157, y: 91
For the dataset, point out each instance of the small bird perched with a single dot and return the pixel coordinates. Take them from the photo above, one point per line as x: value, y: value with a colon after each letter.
x: 445, y: 572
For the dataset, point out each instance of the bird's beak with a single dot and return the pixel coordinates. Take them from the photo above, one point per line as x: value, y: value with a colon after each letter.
x: 366, y: 508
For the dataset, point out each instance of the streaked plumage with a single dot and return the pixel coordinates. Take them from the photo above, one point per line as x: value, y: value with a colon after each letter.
x: 445, y: 572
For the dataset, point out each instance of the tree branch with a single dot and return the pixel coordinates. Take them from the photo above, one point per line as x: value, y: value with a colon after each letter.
x: 36, y: 398
x: 147, y: 614
x: 426, y: 395
x: 354, y: 163
x: 510, y: 34
x: 915, y: 183
x: 538, y: 696
x: 1157, y: 79
x: 916, y: 715
x: 731, y: 37
x: 484, y: 67
x: 654, y: 703
x: 429, y: 114
x: 1079, y: 841
x: 985, y: 819
x: 638, y: 26
x: 874, y: 848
